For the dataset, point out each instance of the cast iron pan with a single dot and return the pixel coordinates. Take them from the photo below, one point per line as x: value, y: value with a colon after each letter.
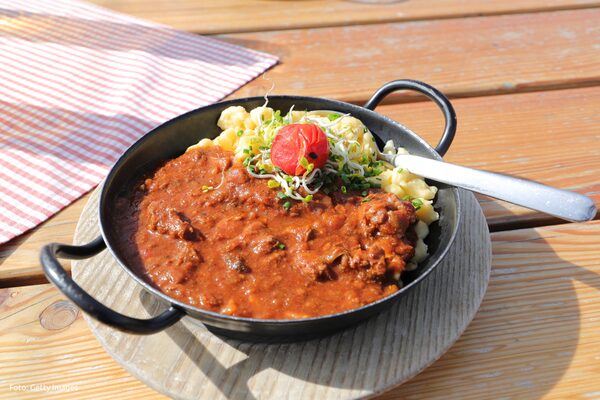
x: 172, y: 139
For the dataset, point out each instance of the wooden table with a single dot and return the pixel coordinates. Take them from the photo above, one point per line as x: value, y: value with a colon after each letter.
x: 524, y: 76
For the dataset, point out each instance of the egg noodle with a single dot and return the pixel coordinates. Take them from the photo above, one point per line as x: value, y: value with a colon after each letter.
x: 352, y: 161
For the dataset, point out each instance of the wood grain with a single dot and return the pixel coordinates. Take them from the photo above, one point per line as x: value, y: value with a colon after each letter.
x: 19, y: 263
x: 462, y: 57
x: 220, y: 16
x: 32, y: 354
x: 536, y: 333
x: 549, y: 136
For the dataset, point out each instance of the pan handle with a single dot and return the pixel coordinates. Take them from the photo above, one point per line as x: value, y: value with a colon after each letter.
x: 429, y: 91
x: 58, y: 276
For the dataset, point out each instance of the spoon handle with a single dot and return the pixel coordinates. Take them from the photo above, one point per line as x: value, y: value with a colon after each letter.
x: 560, y: 203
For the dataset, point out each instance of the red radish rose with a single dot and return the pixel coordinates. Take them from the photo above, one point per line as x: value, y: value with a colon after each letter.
x: 296, y: 141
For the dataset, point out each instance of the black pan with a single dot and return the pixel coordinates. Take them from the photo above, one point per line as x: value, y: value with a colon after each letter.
x: 172, y: 139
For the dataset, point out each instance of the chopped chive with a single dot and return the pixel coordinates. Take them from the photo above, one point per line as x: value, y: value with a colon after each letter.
x: 365, y: 200
x: 282, y: 195
x: 333, y: 117
x: 287, y: 205
x: 281, y: 246
x: 240, y: 132
x: 365, y: 193
x: 417, y: 203
x: 343, y: 189
x: 272, y: 184
x: 308, y: 198
x: 246, y: 151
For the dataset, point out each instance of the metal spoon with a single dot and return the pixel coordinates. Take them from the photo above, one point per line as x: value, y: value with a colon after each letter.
x: 557, y: 202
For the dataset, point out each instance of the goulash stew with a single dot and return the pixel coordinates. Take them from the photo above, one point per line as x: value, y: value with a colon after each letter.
x: 294, y: 224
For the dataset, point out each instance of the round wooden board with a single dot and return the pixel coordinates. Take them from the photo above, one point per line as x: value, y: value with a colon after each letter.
x: 188, y: 362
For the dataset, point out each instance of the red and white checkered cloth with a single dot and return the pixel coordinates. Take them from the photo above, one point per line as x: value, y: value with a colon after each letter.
x: 79, y: 84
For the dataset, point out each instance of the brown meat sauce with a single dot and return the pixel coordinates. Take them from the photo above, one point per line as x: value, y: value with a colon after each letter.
x: 237, y: 251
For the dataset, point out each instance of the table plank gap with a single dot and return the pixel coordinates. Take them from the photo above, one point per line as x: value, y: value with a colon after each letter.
x: 529, y: 223
x: 407, y: 97
x: 235, y: 16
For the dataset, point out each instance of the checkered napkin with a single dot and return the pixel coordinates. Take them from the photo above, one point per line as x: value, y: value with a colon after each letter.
x: 79, y: 84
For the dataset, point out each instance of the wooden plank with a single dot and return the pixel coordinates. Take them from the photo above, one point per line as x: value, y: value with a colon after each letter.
x: 535, y: 335
x: 463, y: 57
x: 37, y: 321
x: 550, y: 136
x: 220, y: 16
x: 19, y: 263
